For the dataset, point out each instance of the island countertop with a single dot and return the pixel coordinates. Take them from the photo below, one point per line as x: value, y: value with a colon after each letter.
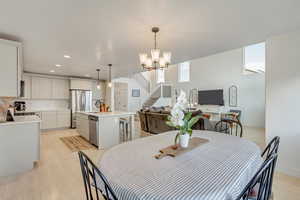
x: 108, y: 114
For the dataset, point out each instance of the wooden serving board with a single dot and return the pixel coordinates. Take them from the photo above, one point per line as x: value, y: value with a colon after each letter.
x: 176, y: 150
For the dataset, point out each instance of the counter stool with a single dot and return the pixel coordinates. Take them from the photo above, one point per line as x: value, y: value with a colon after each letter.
x: 125, y: 133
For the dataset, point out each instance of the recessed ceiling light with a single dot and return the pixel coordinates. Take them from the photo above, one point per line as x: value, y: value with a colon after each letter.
x: 67, y: 56
x: 52, y: 71
x: 58, y: 65
x: 87, y: 75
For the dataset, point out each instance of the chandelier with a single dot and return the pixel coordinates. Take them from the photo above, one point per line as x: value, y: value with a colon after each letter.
x: 155, y: 61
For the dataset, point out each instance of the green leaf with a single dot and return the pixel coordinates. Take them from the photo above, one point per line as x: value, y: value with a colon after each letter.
x: 169, y: 117
x: 190, y: 131
x: 187, y: 116
x: 193, y: 121
x: 176, y: 138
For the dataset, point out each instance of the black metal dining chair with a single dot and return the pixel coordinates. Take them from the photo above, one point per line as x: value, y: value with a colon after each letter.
x: 229, y: 126
x: 235, y: 115
x: 271, y: 148
x: 263, y: 179
x: 90, y: 172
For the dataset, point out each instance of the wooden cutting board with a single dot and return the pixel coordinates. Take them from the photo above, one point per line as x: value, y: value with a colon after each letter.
x: 176, y: 150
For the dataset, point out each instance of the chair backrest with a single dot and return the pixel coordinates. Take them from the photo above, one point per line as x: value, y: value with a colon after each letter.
x: 237, y: 111
x: 229, y: 126
x: 271, y: 148
x: 91, y: 174
x: 263, y: 178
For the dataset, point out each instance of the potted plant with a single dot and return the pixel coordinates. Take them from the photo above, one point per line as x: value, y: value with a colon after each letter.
x: 181, y: 120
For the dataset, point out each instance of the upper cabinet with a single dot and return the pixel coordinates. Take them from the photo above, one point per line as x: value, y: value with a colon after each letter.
x: 41, y: 88
x: 47, y: 88
x: 81, y: 84
x: 60, y: 89
x: 10, y: 65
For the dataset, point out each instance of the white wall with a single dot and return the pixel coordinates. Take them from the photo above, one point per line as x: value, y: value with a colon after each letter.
x: 283, y: 98
x: 134, y: 103
x: 220, y: 71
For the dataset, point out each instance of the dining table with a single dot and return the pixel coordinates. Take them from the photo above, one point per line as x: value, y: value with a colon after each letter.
x: 216, y: 170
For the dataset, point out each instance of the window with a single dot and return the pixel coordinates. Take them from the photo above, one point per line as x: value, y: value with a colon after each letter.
x: 184, y: 72
x: 160, y: 74
x: 254, y: 58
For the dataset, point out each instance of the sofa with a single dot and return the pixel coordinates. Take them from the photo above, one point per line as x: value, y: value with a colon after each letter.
x: 154, y: 121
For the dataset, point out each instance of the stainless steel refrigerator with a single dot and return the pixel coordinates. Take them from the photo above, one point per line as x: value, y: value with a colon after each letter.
x: 81, y: 101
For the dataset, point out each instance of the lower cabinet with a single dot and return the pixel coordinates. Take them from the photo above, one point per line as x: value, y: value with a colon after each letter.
x: 48, y: 120
x: 63, y: 119
x: 55, y: 119
x: 82, y: 125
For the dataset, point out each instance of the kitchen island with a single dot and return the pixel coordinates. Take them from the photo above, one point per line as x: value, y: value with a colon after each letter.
x: 19, y: 144
x: 104, y: 129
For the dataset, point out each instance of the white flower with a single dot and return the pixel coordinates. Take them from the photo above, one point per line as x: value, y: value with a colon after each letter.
x: 177, y: 113
x: 177, y: 116
x: 181, y: 100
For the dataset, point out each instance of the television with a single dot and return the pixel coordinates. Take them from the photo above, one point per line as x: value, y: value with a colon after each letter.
x: 210, y: 97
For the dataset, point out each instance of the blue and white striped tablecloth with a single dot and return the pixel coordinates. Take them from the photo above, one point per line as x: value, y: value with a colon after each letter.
x: 219, y: 169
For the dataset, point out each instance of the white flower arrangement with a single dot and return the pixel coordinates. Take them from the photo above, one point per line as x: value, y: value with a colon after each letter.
x: 181, y: 120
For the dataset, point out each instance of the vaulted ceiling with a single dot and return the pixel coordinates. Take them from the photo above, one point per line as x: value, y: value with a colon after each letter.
x: 98, y: 32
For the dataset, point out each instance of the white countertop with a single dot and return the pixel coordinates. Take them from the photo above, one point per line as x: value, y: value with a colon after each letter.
x: 109, y: 114
x: 43, y: 110
x: 22, y: 120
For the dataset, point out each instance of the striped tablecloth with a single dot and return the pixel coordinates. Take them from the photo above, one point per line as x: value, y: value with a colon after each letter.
x: 217, y: 170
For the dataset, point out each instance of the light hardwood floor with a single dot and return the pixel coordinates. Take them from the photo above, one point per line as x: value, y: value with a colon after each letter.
x: 57, y: 176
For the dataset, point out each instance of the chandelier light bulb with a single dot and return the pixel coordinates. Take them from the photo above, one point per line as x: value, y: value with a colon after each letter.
x: 98, y: 86
x: 149, y: 62
x: 110, y: 84
x: 167, y: 57
x: 155, y: 54
x: 162, y: 62
x: 143, y: 58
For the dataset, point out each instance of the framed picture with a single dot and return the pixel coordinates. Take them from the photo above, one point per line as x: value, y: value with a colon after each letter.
x: 136, y: 93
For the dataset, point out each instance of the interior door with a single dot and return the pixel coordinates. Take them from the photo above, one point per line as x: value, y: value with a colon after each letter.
x: 121, y: 96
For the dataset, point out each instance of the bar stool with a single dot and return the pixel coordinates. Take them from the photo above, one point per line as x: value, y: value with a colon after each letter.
x: 125, y: 133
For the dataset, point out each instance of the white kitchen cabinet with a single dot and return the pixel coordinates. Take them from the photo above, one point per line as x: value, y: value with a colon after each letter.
x: 60, y: 89
x: 48, y: 120
x: 10, y: 66
x: 82, y: 125
x: 81, y: 84
x: 98, y: 93
x: 63, y: 119
x: 45, y: 88
x: 27, y: 88
x: 41, y: 88
x: 20, y: 145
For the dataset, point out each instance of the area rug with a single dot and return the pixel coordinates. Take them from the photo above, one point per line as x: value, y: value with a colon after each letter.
x: 77, y: 143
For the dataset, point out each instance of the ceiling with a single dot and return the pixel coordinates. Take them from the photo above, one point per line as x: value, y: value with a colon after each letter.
x: 98, y: 32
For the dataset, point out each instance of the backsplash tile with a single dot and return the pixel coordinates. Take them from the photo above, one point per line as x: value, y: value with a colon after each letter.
x: 46, y: 104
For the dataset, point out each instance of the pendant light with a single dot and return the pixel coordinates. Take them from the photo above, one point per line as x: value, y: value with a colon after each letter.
x: 109, y: 75
x: 98, y: 84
